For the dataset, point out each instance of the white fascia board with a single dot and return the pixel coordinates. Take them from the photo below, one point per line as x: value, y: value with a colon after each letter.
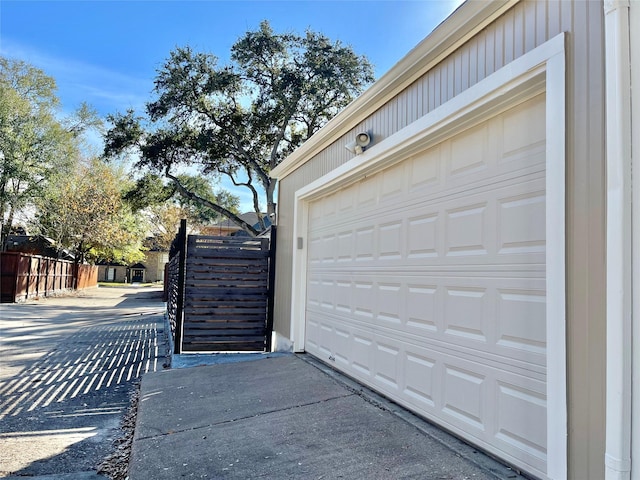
x: 541, y: 70
x: 470, y: 18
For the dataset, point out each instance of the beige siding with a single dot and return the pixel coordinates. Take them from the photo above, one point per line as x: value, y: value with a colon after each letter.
x: 525, y: 26
x: 155, y: 262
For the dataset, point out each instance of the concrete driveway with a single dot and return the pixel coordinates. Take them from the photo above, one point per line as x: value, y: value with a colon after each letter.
x: 288, y: 417
x: 68, y: 366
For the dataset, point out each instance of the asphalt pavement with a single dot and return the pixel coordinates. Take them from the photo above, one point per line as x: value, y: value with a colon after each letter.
x: 68, y: 366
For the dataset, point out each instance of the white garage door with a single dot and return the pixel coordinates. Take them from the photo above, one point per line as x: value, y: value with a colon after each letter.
x: 426, y: 281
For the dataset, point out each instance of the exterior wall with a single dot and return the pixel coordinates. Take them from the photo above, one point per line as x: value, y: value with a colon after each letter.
x: 527, y: 24
x: 154, y: 269
x: 155, y: 266
x: 120, y: 275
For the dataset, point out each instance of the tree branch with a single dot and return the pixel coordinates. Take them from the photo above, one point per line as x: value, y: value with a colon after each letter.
x: 217, y: 208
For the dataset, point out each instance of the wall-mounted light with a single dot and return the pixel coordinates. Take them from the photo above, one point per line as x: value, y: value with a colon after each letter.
x: 360, y: 143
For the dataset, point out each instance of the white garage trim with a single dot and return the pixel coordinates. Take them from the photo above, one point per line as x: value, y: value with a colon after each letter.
x: 634, y: 28
x: 634, y: 31
x: 542, y: 69
x: 619, y: 242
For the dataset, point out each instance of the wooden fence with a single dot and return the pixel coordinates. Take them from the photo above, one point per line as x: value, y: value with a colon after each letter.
x: 24, y: 276
x: 174, y: 285
x: 219, y: 295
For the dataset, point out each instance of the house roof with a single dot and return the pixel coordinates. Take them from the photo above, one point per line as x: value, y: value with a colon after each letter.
x: 36, y: 245
x: 469, y: 19
x: 250, y: 217
x: 103, y: 263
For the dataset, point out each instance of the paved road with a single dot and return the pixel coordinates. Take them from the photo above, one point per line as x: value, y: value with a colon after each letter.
x: 68, y: 366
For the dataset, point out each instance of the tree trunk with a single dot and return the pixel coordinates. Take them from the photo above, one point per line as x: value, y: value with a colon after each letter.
x: 6, y: 230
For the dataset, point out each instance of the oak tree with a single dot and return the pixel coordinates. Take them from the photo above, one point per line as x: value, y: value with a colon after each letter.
x: 240, y: 120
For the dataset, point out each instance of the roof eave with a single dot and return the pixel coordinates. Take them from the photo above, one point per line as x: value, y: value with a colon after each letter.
x: 465, y: 22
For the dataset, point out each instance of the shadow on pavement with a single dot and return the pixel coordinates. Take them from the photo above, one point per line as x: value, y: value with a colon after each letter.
x: 69, y: 367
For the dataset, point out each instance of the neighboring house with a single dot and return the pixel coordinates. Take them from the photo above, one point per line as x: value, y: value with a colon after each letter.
x: 149, y: 271
x: 474, y: 263
x: 118, y: 273
x: 112, y: 272
x: 154, y: 263
x: 227, y: 227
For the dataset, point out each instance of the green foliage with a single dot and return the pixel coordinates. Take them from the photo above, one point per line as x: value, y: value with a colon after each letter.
x: 148, y: 190
x: 35, y: 146
x: 198, y: 213
x: 85, y: 214
x: 164, y: 207
x: 240, y: 120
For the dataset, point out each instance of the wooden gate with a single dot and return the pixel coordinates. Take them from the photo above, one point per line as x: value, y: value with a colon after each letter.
x: 225, y: 304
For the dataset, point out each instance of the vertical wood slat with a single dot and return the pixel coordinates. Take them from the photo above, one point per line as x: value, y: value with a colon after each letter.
x: 226, y: 294
x: 27, y: 276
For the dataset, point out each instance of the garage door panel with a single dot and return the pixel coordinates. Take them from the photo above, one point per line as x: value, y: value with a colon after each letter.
x: 420, y: 376
x: 517, y: 139
x: 501, y: 316
x: 466, y: 230
x: 390, y: 294
x: 422, y: 311
x: 521, y: 419
x: 468, y: 155
x: 424, y: 170
x: 521, y: 320
x: 466, y: 313
x: 422, y: 236
x: 390, y: 239
x: 464, y: 397
x: 387, y: 364
x: 521, y: 223
x: 427, y: 282
x: 425, y: 202
x: 369, y: 196
x: 367, y: 193
x: 508, y: 228
x: 364, y: 243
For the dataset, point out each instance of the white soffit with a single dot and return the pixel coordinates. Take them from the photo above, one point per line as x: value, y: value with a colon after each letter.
x: 470, y: 18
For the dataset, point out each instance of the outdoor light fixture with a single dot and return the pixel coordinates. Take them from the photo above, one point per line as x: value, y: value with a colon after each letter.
x: 361, y: 142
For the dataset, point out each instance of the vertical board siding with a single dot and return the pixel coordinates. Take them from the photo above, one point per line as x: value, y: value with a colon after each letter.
x: 527, y: 25
x: 225, y: 302
x: 586, y: 230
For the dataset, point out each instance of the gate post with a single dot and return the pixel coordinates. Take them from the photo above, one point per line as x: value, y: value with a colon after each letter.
x: 182, y: 245
x: 271, y: 287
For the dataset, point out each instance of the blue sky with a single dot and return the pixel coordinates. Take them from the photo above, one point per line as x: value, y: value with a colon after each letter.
x: 106, y: 52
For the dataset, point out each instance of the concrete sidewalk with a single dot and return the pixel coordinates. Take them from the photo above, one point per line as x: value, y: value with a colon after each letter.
x: 287, y: 417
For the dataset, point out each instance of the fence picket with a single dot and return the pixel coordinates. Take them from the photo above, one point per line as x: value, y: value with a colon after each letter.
x: 24, y: 276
